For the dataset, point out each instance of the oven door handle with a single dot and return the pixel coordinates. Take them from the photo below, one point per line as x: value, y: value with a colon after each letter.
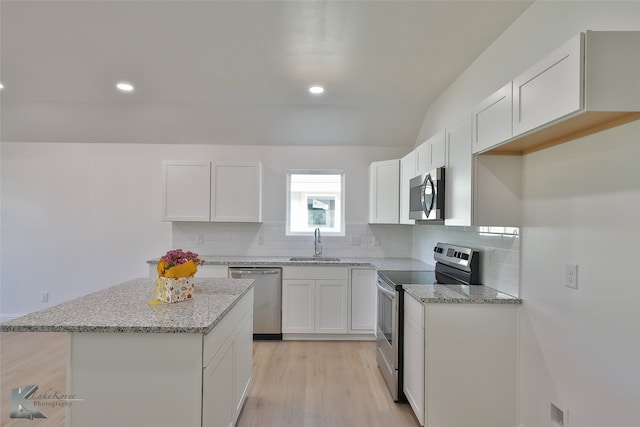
x: 386, y: 291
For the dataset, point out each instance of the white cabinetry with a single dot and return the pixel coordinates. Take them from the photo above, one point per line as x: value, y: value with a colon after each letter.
x: 236, y: 192
x: 193, y: 380
x: 363, y: 301
x: 586, y: 85
x: 468, y: 353
x: 414, y: 336
x: 431, y: 154
x: 459, y: 176
x: 408, y: 170
x: 179, y: 204
x: 492, y: 123
x: 482, y: 190
x: 314, y: 300
x: 384, y: 192
x: 550, y: 89
x: 212, y: 191
x: 228, y: 359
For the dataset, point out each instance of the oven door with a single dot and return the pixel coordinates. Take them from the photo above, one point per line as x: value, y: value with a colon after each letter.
x: 387, y: 337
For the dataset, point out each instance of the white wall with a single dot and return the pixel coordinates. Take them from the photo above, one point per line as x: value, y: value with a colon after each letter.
x: 77, y: 218
x: 581, y: 204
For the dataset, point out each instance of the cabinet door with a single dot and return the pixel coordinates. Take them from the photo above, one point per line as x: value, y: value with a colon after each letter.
x: 384, y: 181
x: 186, y: 190
x: 298, y: 299
x: 414, y: 359
x: 492, y: 122
x: 550, y: 89
x: 423, y: 158
x: 218, y: 409
x: 407, y: 171
x: 331, y: 307
x: 243, y: 361
x: 363, y: 301
x: 437, y: 150
x: 459, y: 176
x: 236, y: 192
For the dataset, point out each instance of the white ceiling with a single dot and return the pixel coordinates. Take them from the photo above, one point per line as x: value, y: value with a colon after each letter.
x: 235, y: 72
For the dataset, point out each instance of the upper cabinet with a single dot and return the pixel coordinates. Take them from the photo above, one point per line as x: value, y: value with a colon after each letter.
x: 492, y: 119
x: 191, y: 204
x: 587, y: 85
x: 431, y: 154
x: 236, y: 192
x: 212, y: 191
x: 384, y: 192
x: 550, y: 89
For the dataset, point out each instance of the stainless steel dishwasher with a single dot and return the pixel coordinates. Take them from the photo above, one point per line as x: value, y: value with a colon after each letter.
x: 267, y: 300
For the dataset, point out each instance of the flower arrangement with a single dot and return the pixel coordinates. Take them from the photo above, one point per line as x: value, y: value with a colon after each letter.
x: 175, y: 276
x: 177, y: 263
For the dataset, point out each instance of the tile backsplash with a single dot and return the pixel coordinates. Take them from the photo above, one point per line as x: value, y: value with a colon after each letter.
x: 499, y: 251
x: 269, y: 239
x: 499, y: 246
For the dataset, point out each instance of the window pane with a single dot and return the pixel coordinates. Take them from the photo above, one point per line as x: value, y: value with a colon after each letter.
x: 315, y: 199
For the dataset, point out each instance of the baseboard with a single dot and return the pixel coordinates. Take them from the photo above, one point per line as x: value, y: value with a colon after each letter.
x: 328, y: 337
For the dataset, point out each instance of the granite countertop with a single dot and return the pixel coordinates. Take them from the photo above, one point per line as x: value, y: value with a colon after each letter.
x: 125, y: 308
x: 459, y: 294
x: 376, y: 263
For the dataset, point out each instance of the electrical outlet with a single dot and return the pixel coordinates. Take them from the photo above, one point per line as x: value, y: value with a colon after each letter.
x: 571, y: 277
x: 355, y: 240
x: 199, y: 239
x: 260, y: 239
x: 44, y: 297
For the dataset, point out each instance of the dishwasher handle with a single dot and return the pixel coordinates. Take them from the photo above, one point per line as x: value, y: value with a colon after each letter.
x: 237, y: 274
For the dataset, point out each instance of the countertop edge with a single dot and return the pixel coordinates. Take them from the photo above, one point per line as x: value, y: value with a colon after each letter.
x: 462, y: 299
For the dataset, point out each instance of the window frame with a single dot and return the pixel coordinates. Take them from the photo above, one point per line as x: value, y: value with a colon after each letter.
x: 340, y: 216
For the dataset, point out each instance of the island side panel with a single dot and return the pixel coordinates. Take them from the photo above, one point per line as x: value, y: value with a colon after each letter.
x: 135, y: 379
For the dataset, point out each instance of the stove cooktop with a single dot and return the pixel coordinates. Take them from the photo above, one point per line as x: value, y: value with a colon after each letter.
x: 397, y: 278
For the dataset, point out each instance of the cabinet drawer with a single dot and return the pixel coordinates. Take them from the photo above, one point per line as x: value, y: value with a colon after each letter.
x: 215, y: 339
x: 414, y: 310
x: 213, y: 271
x: 313, y: 273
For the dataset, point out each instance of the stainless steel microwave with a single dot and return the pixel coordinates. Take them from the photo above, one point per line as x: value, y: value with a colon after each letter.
x: 426, y: 196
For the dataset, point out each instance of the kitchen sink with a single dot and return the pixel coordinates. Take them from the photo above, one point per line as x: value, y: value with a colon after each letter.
x: 314, y: 258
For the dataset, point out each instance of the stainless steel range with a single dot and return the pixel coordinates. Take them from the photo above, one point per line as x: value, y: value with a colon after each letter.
x: 454, y: 265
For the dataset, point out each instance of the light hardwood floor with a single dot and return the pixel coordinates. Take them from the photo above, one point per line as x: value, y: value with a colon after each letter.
x: 295, y: 383
x: 320, y: 384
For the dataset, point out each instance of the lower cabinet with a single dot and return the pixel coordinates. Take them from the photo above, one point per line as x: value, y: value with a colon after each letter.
x: 461, y: 354
x: 314, y: 300
x: 414, y: 356
x: 187, y: 379
x: 363, y: 301
x: 227, y: 376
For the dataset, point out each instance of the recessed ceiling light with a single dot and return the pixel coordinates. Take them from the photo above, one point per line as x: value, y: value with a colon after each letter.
x: 1, y: 86
x: 124, y: 86
x: 316, y: 90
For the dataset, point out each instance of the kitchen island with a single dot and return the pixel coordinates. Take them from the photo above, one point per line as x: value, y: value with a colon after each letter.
x: 135, y: 364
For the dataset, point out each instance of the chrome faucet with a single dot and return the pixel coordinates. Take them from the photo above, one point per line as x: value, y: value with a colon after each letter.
x: 317, y: 242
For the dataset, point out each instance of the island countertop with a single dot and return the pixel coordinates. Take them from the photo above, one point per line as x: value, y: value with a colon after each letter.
x: 125, y: 308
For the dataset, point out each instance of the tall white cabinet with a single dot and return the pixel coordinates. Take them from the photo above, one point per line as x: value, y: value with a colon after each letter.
x: 384, y: 192
x: 211, y: 191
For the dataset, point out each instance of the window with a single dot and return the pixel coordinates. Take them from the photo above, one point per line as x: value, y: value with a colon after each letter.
x: 315, y: 199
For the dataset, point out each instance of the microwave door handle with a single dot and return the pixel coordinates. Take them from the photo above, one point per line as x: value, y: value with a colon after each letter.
x: 427, y: 182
